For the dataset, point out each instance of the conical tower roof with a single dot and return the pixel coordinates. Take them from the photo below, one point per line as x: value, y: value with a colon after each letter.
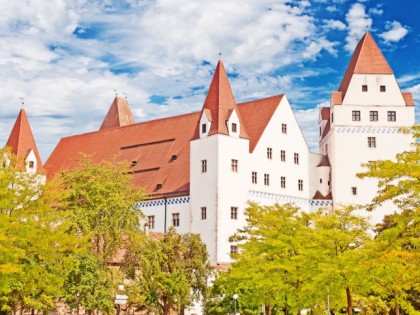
x: 220, y: 102
x: 367, y: 59
x: 119, y: 114
x: 21, y: 140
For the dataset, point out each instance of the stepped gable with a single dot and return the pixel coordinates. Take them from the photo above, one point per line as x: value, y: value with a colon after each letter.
x: 119, y: 114
x: 157, y: 151
x: 21, y: 140
x: 367, y: 59
x: 220, y: 102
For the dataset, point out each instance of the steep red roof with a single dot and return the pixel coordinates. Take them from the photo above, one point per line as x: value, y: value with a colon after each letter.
x: 220, y: 102
x: 367, y: 59
x: 326, y: 129
x: 325, y: 113
x: 337, y: 98
x: 408, y: 98
x: 119, y: 114
x: 21, y: 139
x: 325, y: 161
x: 319, y: 196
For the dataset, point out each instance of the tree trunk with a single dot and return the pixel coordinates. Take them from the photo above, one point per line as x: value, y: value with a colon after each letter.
x: 397, y: 309
x: 349, y: 302
x: 269, y: 309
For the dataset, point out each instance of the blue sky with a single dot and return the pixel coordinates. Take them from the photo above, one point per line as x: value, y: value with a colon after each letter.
x: 67, y: 59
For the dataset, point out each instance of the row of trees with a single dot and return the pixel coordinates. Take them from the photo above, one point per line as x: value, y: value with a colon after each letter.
x: 291, y: 261
x: 58, y: 241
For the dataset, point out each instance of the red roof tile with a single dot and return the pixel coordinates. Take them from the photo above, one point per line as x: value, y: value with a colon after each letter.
x: 367, y: 59
x: 325, y: 161
x: 119, y: 114
x: 408, y: 98
x: 337, y: 98
x: 325, y: 113
x: 319, y: 196
x: 220, y: 102
x: 21, y: 139
x: 326, y: 129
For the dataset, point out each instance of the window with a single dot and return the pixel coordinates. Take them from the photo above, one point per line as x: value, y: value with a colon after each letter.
x: 284, y: 128
x: 151, y: 219
x: 300, y: 184
x: 203, y: 213
x: 372, y: 142
x: 175, y: 219
x: 234, y: 213
x: 203, y: 166
x: 320, y: 180
x: 269, y: 153
x: 332, y: 117
x: 203, y: 128
x: 354, y: 190
x: 158, y: 186
x: 364, y: 88
x: 233, y: 249
x: 267, y: 179
x: 296, y: 158
x: 234, y: 127
x: 355, y: 115
x: 320, y: 131
x: 283, y: 182
x: 373, y: 114
x: 392, y: 116
x: 382, y: 88
x: 254, y: 177
x: 283, y: 156
x: 235, y: 166
x: 31, y: 164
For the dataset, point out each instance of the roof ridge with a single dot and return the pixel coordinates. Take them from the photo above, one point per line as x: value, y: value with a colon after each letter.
x: 261, y: 99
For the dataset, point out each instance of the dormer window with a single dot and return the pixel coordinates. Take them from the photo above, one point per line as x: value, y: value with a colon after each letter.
x: 159, y: 186
x: 31, y: 164
x: 234, y: 127
x: 364, y: 88
x: 174, y: 157
x: 382, y: 88
x: 203, y: 128
x: 133, y: 163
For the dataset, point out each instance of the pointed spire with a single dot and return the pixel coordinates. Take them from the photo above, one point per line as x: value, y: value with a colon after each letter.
x: 119, y: 114
x: 367, y: 59
x: 21, y: 139
x: 220, y: 102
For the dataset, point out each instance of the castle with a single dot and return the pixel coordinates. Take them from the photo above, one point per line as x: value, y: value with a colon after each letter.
x: 200, y: 169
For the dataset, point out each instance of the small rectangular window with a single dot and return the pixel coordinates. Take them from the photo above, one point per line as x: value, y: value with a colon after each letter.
x: 300, y: 184
x: 234, y: 166
x: 254, y: 177
x: 203, y: 213
x: 364, y: 88
x: 283, y: 182
x: 392, y: 115
x: 354, y: 190
x: 283, y: 156
x: 382, y: 88
x: 355, y: 115
x: 175, y: 219
x: 372, y: 142
x: 31, y: 164
x: 269, y: 153
x: 203, y: 166
x: 296, y: 158
x: 332, y: 117
x: 234, y: 213
x: 284, y: 128
x: 234, y: 127
x: 151, y: 220
x: 233, y: 249
x: 267, y: 179
x: 373, y: 114
x: 203, y: 128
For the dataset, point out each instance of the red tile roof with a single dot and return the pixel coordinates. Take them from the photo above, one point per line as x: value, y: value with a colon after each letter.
x: 408, y: 98
x: 367, y: 59
x: 319, y: 196
x: 21, y: 139
x: 326, y: 129
x: 337, y: 98
x: 158, y: 150
x: 119, y: 114
x: 325, y: 161
x: 325, y: 113
x: 220, y: 102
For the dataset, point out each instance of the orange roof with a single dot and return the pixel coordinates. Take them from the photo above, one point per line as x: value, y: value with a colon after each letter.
x: 408, y: 98
x: 221, y: 103
x: 319, y: 196
x: 21, y: 139
x: 158, y: 150
x: 119, y: 114
x: 367, y: 59
x: 337, y: 98
x: 325, y: 113
x: 326, y: 129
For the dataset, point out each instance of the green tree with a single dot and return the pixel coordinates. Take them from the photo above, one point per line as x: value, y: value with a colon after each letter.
x: 169, y: 271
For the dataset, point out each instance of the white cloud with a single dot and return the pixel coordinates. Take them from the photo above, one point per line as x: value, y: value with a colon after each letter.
x: 331, y: 8
x: 376, y: 11
x: 395, y: 32
x: 408, y: 78
x: 334, y: 25
x: 358, y: 22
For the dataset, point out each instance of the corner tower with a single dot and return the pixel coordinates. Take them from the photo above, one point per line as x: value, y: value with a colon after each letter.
x: 363, y: 123
x: 219, y: 165
x: 119, y: 114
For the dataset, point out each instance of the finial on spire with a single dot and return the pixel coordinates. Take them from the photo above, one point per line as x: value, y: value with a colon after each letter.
x: 116, y: 92
x: 125, y: 95
x: 22, y: 100
x: 220, y: 54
